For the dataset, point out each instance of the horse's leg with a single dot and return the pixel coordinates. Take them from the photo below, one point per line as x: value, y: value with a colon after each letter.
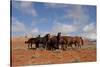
x: 31, y: 45
x: 56, y: 45
x: 71, y: 45
x: 66, y: 45
x: 75, y: 45
x: 43, y: 46
x: 79, y: 45
x: 52, y: 48
x: 46, y: 46
x: 28, y: 45
x: 63, y: 46
x: 36, y: 45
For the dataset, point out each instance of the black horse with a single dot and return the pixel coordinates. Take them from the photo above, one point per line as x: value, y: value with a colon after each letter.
x: 30, y: 42
x: 38, y: 41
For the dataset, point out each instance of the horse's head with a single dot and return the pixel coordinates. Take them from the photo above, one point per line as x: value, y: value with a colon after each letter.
x: 47, y: 36
x: 59, y: 34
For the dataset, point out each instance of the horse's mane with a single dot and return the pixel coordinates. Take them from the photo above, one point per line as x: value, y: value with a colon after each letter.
x: 31, y: 38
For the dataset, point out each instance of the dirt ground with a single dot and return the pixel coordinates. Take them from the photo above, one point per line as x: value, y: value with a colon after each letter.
x: 22, y: 56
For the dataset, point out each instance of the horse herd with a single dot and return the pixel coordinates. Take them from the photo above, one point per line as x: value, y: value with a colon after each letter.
x: 49, y: 42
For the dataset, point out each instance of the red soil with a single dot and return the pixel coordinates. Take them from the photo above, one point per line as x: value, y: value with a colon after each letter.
x: 23, y: 56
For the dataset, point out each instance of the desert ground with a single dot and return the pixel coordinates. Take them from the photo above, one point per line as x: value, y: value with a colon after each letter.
x: 22, y: 56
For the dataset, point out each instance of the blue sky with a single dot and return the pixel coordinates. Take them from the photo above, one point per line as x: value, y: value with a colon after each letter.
x: 34, y: 18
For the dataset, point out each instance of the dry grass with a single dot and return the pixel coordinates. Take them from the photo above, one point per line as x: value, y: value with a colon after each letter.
x: 23, y: 56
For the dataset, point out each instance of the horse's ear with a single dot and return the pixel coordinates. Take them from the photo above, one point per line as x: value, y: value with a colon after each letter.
x: 59, y: 32
x: 49, y: 34
x: 45, y: 35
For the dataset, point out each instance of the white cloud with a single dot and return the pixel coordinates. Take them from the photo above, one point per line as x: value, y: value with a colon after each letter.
x: 90, y: 31
x: 81, y: 22
x: 90, y: 28
x: 55, y: 5
x: 26, y: 4
x: 26, y: 7
x: 91, y: 36
x: 35, y: 31
x: 40, y: 20
x: 17, y: 26
x: 32, y: 32
x: 78, y: 14
x: 64, y: 28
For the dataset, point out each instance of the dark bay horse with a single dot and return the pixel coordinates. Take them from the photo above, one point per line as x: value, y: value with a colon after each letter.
x: 30, y: 42
x: 53, y: 42
x: 37, y: 41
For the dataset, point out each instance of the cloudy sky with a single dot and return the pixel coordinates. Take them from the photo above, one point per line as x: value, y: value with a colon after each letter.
x: 34, y: 18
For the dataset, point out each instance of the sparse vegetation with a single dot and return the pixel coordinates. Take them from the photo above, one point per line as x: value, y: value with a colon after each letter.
x: 23, y: 56
x: 76, y: 60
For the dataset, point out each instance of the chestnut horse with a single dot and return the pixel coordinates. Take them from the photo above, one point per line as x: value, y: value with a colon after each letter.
x: 76, y: 40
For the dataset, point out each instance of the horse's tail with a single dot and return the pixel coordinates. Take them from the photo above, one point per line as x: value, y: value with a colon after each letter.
x: 25, y: 42
x: 81, y: 41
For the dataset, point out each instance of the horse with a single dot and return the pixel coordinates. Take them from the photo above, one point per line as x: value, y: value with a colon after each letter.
x: 37, y: 41
x: 76, y: 40
x: 53, y: 42
x: 48, y: 42
x: 30, y: 42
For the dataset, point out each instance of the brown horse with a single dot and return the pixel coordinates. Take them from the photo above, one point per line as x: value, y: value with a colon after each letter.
x: 77, y: 41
